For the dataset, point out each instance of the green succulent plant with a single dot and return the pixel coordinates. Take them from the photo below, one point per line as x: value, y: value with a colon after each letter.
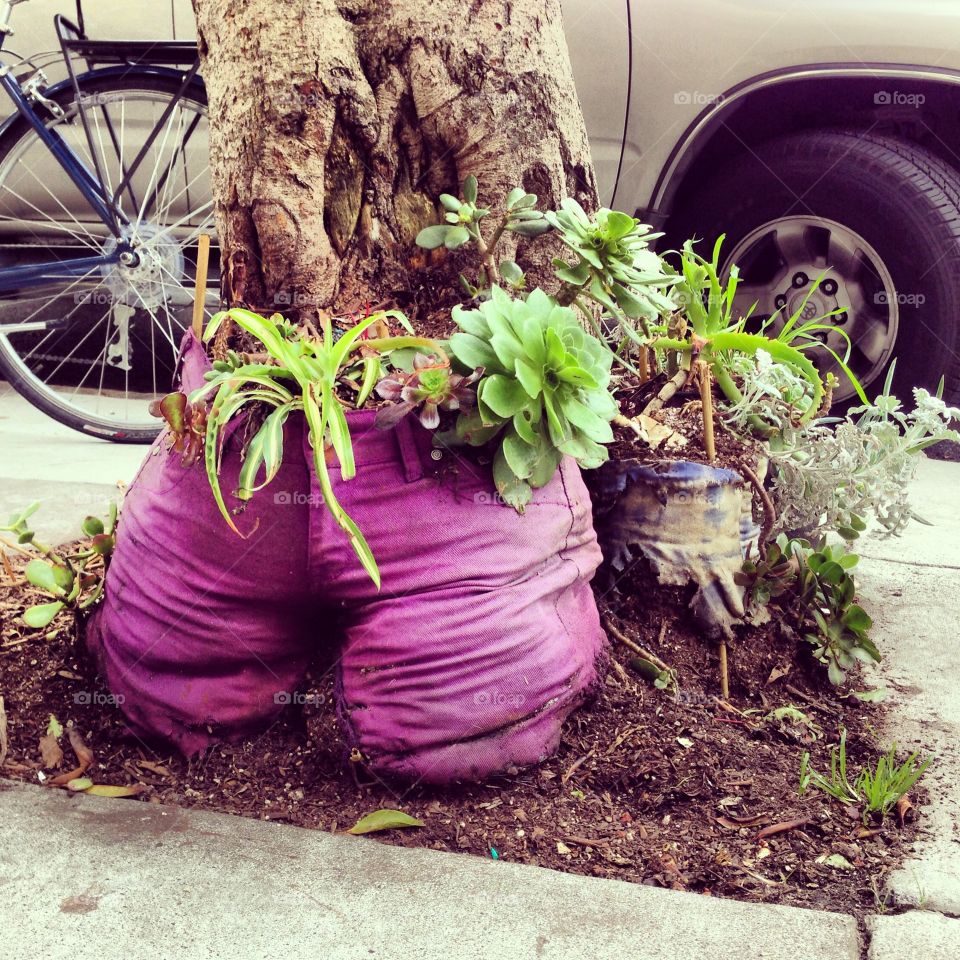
x: 72, y: 581
x: 544, y: 391
x: 615, y: 265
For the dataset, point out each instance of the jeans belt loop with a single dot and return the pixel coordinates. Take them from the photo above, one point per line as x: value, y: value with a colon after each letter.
x: 409, y: 451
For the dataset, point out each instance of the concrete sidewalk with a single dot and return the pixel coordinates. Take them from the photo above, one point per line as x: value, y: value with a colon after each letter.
x: 911, y: 587
x: 73, y: 474
x: 131, y: 879
x: 126, y: 879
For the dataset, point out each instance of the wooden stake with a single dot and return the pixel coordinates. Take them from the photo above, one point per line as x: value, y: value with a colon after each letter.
x: 644, y: 365
x: 200, y: 289
x: 724, y: 674
x: 706, y: 402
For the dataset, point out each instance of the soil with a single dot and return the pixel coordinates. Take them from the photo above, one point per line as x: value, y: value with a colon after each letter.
x: 668, y: 787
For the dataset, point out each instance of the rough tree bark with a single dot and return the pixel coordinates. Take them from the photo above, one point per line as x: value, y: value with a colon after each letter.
x: 335, y: 124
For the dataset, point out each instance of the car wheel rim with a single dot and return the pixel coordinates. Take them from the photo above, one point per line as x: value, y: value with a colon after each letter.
x: 780, y: 262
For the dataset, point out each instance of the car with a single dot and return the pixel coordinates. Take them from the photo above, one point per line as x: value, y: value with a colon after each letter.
x: 822, y: 139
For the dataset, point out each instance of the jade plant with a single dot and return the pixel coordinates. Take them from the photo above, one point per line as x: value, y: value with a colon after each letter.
x: 73, y: 580
x: 545, y: 390
x: 815, y: 584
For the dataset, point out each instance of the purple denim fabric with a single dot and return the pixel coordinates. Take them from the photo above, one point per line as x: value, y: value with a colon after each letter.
x: 484, y: 636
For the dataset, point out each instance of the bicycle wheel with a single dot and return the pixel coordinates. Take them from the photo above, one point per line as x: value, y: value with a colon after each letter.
x: 93, y: 351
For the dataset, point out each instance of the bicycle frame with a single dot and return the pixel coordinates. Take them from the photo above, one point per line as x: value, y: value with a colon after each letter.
x: 90, y: 184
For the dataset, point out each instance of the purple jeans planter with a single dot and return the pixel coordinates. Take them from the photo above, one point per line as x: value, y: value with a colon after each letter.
x: 483, y: 638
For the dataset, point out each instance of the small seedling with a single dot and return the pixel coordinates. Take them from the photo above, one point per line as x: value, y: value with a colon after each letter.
x: 67, y: 578
x: 876, y: 788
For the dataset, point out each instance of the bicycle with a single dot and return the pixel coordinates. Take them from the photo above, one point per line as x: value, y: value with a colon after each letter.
x: 104, y: 190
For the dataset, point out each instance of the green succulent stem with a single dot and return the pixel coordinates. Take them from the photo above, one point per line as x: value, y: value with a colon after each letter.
x: 601, y: 335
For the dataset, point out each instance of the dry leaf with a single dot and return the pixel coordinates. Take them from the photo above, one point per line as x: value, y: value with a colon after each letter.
x: 654, y: 433
x: 776, y: 673
x: 156, y: 768
x: 105, y: 790
x: 50, y: 752
x: 80, y: 783
x: 83, y: 752
x: 776, y: 828
x: 904, y: 808
x: 84, y: 758
x: 562, y: 848
x: 731, y: 822
x: 384, y: 820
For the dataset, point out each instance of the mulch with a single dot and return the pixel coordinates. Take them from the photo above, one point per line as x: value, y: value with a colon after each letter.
x: 670, y: 788
x: 667, y: 787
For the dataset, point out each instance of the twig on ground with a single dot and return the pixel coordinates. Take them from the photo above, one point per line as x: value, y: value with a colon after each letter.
x: 633, y: 645
x: 667, y: 391
x: 3, y: 732
x: 586, y: 842
x: 17, y: 547
x: 816, y: 704
x: 572, y: 769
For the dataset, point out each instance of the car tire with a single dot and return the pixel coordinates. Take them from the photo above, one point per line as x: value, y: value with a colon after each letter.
x: 899, y: 198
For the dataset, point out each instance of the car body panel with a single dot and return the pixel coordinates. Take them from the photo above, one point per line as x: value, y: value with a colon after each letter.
x: 690, y: 55
x: 652, y: 77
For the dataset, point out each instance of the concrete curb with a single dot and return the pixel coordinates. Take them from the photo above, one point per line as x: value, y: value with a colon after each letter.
x: 920, y: 934
x: 139, y: 879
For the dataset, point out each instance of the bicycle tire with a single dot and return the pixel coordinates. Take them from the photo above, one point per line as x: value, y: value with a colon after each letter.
x: 10, y: 369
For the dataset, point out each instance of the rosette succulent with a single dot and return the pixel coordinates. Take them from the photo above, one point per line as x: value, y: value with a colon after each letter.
x: 615, y: 265
x: 431, y: 386
x: 545, y: 390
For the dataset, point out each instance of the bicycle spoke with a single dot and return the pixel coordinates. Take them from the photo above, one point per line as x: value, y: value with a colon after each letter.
x: 156, y: 167
x: 102, y: 364
x: 33, y: 206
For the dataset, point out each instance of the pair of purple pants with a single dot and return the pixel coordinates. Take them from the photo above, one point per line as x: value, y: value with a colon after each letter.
x: 482, y: 639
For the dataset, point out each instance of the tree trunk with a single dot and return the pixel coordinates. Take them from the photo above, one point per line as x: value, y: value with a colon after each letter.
x: 335, y: 126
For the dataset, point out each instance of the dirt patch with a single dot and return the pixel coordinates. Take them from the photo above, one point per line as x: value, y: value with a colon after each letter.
x: 664, y: 787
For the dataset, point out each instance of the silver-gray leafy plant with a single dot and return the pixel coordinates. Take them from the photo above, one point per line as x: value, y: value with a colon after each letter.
x: 833, y: 477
